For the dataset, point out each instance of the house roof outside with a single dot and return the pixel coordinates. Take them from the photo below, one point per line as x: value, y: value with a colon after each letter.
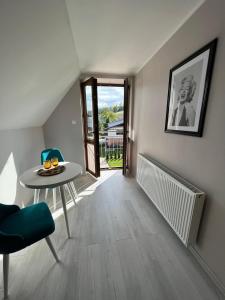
x: 114, y: 124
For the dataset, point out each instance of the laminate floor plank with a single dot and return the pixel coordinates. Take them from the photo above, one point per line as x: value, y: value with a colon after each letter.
x: 120, y: 248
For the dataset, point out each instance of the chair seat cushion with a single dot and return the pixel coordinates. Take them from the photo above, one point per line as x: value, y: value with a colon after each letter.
x: 32, y: 223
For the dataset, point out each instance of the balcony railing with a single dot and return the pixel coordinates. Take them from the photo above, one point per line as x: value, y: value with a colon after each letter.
x: 111, y: 150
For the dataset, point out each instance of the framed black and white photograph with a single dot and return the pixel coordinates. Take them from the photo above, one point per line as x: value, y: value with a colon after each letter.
x: 188, y: 92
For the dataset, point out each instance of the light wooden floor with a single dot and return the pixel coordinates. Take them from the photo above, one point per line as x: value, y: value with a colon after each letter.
x: 121, y: 248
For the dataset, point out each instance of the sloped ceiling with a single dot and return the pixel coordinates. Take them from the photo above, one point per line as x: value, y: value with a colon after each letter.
x: 45, y: 44
x: 119, y: 36
x: 38, y: 62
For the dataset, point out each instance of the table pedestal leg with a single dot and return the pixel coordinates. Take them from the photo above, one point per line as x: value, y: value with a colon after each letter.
x: 64, y: 209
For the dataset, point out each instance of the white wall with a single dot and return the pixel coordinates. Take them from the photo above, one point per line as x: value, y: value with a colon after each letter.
x: 38, y: 60
x: 20, y: 150
x: 61, y: 133
x: 200, y: 160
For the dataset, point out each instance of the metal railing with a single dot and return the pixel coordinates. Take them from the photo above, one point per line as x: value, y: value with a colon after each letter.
x: 111, y: 150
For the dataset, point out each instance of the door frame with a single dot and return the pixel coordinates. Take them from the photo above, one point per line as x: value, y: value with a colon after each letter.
x: 125, y: 124
x: 126, y: 86
x: 113, y: 85
x: 93, y: 83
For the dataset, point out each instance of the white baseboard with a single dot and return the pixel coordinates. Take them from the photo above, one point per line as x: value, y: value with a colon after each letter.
x: 208, y: 270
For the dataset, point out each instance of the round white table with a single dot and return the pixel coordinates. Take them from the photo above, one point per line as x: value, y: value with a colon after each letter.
x: 30, y: 179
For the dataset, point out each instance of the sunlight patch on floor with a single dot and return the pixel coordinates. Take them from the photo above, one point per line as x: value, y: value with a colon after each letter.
x: 56, y: 214
x: 105, y: 175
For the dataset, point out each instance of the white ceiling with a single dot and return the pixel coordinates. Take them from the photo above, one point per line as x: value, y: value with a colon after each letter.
x: 119, y: 36
x: 41, y: 57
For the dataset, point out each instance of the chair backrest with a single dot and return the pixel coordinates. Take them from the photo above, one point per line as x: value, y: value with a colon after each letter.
x: 9, y: 242
x: 6, y: 210
x: 48, y: 154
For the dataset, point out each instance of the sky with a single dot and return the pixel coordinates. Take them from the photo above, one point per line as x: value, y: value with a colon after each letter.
x: 109, y: 96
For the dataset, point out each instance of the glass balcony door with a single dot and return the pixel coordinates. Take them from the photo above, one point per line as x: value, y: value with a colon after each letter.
x: 90, y: 125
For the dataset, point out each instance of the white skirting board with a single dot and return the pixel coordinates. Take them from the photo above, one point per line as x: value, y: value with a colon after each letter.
x: 208, y: 270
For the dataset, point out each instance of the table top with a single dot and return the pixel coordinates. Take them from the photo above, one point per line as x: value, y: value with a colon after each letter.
x: 32, y: 180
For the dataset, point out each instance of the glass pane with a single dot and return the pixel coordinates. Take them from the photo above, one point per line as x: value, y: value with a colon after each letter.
x: 90, y: 122
x: 91, y: 157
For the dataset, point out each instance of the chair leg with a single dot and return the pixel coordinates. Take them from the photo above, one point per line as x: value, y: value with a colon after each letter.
x: 38, y: 195
x: 68, y: 190
x: 46, y: 194
x: 74, y: 189
x: 67, y: 187
x: 71, y: 192
x: 5, y: 274
x: 35, y: 196
x: 54, y: 198
x: 51, y: 248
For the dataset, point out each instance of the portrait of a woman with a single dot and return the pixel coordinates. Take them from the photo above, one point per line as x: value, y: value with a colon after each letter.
x: 184, y: 112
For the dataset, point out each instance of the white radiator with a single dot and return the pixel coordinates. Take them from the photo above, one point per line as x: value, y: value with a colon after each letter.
x: 178, y: 201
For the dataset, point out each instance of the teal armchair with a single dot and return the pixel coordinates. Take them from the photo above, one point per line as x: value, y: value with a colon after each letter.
x: 48, y: 154
x: 20, y: 228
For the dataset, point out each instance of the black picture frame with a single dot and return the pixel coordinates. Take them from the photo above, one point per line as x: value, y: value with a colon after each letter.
x: 187, y: 117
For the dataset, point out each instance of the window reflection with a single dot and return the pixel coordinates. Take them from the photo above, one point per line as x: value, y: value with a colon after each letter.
x: 89, y: 106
